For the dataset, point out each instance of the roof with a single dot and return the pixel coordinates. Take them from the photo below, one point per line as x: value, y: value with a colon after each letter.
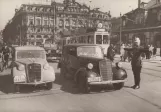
x: 79, y: 45
x: 155, y: 6
x: 29, y: 48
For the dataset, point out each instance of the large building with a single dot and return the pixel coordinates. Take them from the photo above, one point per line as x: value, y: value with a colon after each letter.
x: 143, y: 22
x: 35, y: 23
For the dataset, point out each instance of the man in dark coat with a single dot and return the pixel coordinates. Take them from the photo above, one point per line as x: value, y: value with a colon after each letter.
x: 5, y: 52
x: 136, y: 61
x: 111, y: 52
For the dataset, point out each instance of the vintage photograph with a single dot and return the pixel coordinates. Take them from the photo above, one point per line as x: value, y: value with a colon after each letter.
x: 80, y: 55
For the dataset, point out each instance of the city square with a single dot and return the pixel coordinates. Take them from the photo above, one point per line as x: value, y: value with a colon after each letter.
x: 80, y: 56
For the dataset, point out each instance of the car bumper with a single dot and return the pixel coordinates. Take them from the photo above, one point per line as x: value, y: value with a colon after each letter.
x: 33, y: 83
x: 53, y: 58
x: 106, y: 82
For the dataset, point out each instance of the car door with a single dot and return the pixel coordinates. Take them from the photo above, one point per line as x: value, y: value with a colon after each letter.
x: 73, y: 63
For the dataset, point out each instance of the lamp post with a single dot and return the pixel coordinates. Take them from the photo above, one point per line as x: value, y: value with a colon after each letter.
x: 120, y: 28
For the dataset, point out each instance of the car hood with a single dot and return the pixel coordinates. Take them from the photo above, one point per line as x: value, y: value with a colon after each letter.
x: 29, y: 61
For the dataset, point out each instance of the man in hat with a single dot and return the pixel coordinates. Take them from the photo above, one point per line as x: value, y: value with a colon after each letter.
x: 111, y: 52
x: 136, y: 62
x: 5, y: 52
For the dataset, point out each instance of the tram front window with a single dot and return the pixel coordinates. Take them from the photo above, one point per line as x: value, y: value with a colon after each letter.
x: 105, y: 39
x: 98, y: 39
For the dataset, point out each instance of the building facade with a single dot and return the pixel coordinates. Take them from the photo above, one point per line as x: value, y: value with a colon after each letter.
x: 37, y: 23
x: 143, y: 22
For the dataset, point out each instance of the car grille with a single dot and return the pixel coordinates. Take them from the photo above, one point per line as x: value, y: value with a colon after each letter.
x: 34, y: 72
x: 105, y: 67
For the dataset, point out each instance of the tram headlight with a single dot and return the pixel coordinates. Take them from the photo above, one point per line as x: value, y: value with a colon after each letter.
x: 90, y: 66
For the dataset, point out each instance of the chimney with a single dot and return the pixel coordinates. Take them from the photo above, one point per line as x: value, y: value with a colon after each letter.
x: 139, y: 2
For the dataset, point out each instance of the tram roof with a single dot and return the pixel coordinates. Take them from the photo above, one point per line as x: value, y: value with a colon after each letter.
x: 77, y: 45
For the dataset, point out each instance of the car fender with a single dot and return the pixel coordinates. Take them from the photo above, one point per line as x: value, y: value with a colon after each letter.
x: 81, y: 70
x: 119, y: 73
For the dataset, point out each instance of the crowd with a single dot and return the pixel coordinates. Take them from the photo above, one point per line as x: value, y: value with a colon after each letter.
x: 126, y: 55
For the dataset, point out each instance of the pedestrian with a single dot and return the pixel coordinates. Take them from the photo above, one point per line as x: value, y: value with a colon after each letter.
x: 136, y: 62
x: 111, y: 52
x: 122, y: 52
x: 154, y: 52
x: 5, y: 55
x: 151, y: 50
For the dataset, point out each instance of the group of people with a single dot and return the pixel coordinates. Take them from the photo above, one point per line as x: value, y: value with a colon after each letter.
x: 4, y: 56
x: 127, y: 55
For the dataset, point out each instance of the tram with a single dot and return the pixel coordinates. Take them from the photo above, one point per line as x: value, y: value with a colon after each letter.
x: 98, y: 37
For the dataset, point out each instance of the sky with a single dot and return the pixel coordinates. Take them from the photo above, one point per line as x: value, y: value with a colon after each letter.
x: 7, y: 7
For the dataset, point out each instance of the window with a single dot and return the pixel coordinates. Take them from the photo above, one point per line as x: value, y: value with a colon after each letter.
x: 38, y: 21
x: 98, y: 39
x: 90, y: 39
x: 72, y: 51
x: 38, y: 30
x: 31, y: 21
x: 45, y: 22
x: 38, y: 36
x: 105, y: 39
x: 51, y: 23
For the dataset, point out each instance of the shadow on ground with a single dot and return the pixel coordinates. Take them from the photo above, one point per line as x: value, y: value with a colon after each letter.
x: 68, y: 85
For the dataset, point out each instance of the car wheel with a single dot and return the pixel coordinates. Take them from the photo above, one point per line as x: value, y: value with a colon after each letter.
x: 118, y: 86
x: 64, y: 73
x: 83, y: 86
x: 15, y: 88
x: 49, y: 86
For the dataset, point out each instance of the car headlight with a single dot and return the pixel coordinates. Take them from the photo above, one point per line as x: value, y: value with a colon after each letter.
x: 119, y: 64
x: 46, y: 66
x: 21, y: 67
x: 90, y: 65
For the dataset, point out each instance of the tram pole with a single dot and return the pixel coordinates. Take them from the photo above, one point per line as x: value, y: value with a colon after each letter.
x: 120, y: 29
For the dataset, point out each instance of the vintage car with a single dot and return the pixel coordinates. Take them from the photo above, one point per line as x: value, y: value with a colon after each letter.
x: 88, y: 67
x: 30, y: 67
x: 52, y: 55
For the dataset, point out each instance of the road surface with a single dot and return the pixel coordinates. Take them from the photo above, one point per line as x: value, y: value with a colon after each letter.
x: 64, y: 97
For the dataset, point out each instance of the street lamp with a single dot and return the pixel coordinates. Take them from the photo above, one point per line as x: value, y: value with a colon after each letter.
x: 120, y: 28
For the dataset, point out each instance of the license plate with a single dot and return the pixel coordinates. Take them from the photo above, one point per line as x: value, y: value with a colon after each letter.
x: 94, y: 79
x: 19, y: 78
x: 53, y: 58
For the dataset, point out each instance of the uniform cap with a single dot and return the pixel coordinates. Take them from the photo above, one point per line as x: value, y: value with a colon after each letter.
x: 137, y: 40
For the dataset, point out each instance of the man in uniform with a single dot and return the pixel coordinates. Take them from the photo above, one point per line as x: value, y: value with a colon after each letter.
x: 111, y: 52
x: 136, y: 62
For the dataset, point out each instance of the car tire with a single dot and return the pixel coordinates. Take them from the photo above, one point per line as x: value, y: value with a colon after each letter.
x: 118, y: 86
x: 49, y: 86
x: 15, y: 88
x: 64, y: 73
x: 83, y: 86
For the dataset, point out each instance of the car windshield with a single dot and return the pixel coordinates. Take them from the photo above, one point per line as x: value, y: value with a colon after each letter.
x: 31, y: 54
x: 90, y: 51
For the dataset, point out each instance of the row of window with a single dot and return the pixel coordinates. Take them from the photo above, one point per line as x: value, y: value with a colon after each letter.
x: 39, y: 36
x: 100, y: 39
x: 38, y: 21
x: 37, y: 9
x: 39, y: 30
